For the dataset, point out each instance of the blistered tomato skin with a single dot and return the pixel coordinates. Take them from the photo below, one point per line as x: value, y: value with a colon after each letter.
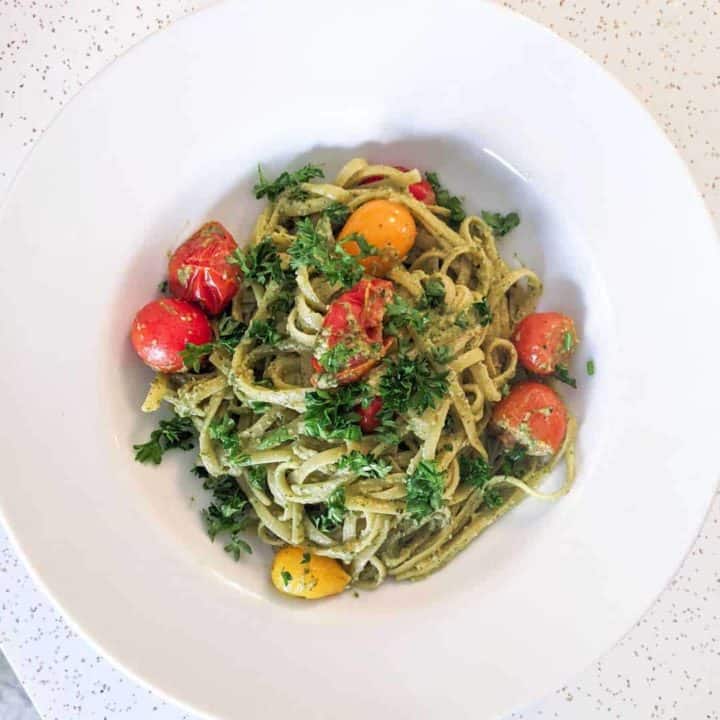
x: 534, y: 416
x: 199, y: 271
x: 387, y: 226
x: 162, y: 328
x: 544, y: 341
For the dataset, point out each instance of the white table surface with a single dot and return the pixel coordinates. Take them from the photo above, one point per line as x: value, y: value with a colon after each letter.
x: 668, y: 53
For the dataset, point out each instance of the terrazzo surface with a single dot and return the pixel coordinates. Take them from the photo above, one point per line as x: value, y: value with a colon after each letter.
x: 667, y: 53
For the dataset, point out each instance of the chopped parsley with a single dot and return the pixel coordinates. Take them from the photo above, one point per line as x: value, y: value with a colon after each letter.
x: 286, y: 577
x: 364, y: 465
x: 227, y: 514
x: 230, y: 332
x: 442, y: 354
x: 475, y: 471
x: 433, y: 294
x: 482, y: 308
x: 513, y: 461
x: 263, y: 331
x: 411, y: 384
x: 336, y: 213
x: 285, y: 180
x: 445, y: 199
x: 193, y: 355
x: 333, y: 514
x: 590, y: 367
x: 258, y: 407
x: 312, y: 249
x: 224, y: 432
x: 275, y: 438
x: 163, y: 287
x: 305, y: 558
x: 462, y: 320
x: 178, y: 432
x: 257, y: 477
x: 335, y: 359
x: 567, y: 341
x: 424, y: 489
x: 501, y: 224
x: 331, y: 415
x: 561, y: 374
x: 260, y: 263
x: 399, y: 314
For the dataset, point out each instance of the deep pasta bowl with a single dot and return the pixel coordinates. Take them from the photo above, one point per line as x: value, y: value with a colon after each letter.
x: 512, y: 118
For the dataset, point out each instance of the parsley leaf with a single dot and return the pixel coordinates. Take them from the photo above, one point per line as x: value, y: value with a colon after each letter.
x: 260, y: 263
x: 275, y: 438
x: 178, y: 432
x: 258, y: 407
x: 433, y: 295
x: 399, y: 314
x: 163, y: 287
x: 336, y: 358
x: 311, y: 249
x: 263, y: 331
x: 364, y: 465
x: 424, y: 489
x: 331, y: 415
x: 224, y: 431
x: 501, y: 224
x: 561, y: 374
x: 513, y: 461
x: 257, y: 477
x: 446, y: 200
x: 286, y: 577
x: 336, y: 213
x: 590, y: 367
x: 442, y: 354
x: 482, y: 308
x: 462, y: 320
x: 475, y: 472
x: 284, y: 181
x: 193, y: 355
x: 411, y: 384
x: 228, y: 513
x: 567, y: 341
x: 230, y: 332
x: 332, y: 516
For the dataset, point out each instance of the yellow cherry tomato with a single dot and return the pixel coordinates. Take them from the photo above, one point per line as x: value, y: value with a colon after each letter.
x: 387, y: 226
x: 297, y: 572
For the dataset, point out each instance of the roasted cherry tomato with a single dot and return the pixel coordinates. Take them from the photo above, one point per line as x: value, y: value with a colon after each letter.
x: 533, y: 415
x: 199, y: 271
x: 421, y: 191
x: 369, y: 421
x: 544, y: 341
x: 352, y: 332
x: 161, y: 330
x: 387, y: 226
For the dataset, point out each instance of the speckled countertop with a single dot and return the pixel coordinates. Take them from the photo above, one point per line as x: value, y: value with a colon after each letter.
x: 668, y: 53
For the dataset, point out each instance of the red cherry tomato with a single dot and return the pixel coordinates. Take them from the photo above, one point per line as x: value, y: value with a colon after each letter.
x: 544, y: 341
x: 355, y: 320
x: 161, y: 330
x: 369, y: 421
x: 199, y: 271
x: 534, y: 416
x: 421, y: 191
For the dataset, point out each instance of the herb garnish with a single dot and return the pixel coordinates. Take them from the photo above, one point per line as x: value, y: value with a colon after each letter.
x: 399, y: 314
x: 331, y: 415
x: 445, y: 199
x: 227, y: 513
x: 482, y: 308
x: 311, y: 249
x: 224, y: 431
x: 285, y: 180
x: 590, y: 367
x: 424, y: 489
x: 501, y: 224
x: 178, y: 432
x: 336, y: 358
x: 364, y: 465
x: 561, y: 374
x: 263, y: 331
x: 411, y: 384
x: 334, y: 512
x: 260, y: 263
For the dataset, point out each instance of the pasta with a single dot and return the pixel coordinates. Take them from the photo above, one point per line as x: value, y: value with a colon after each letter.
x: 283, y: 412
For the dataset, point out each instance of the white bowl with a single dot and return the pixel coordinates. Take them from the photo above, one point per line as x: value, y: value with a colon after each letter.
x: 512, y: 118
